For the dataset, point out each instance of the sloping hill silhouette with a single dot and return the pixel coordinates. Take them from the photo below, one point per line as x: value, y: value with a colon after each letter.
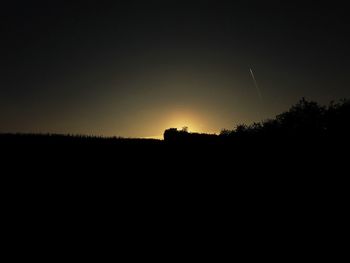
x: 304, y: 121
x: 286, y: 174
x: 307, y: 131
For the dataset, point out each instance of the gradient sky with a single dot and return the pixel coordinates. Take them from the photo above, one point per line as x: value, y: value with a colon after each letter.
x: 135, y: 68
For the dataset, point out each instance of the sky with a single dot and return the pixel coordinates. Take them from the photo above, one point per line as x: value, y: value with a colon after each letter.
x: 136, y: 68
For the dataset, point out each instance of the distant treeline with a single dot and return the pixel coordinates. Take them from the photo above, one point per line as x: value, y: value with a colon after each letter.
x: 11, y: 138
x: 307, y: 135
x: 304, y: 121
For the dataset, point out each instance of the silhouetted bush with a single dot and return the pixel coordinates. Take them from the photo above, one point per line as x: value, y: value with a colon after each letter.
x: 171, y: 134
x: 174, y: 135
x: 304, y: 120
x: 305, y: 123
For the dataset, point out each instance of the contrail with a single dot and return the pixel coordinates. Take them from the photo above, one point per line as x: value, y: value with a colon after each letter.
x: 256, y: 85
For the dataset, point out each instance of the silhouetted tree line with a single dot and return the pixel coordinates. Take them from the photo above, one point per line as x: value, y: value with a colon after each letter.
x: 60, y: 139
x: 174, y: 135
x: 306, y: 120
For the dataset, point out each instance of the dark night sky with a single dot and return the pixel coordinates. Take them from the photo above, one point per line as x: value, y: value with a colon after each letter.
x: 135, y: 68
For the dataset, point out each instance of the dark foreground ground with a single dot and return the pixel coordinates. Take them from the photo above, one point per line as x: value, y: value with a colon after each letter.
x: 160, y: 199
x: 260, y: 161
x: 277, y: 190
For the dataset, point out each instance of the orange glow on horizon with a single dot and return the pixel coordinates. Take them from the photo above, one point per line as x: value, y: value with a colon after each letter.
x: 184, y: 118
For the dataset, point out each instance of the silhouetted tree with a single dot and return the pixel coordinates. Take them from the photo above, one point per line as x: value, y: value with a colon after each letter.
x: 170, y: 134
x: 304, y: 120
x: 225, y: 132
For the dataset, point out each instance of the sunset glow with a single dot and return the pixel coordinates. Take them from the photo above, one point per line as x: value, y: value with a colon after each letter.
x: 136, y: 68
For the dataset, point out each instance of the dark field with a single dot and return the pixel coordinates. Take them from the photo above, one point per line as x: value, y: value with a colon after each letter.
x: 262, y: 180
x: 308, y: 135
